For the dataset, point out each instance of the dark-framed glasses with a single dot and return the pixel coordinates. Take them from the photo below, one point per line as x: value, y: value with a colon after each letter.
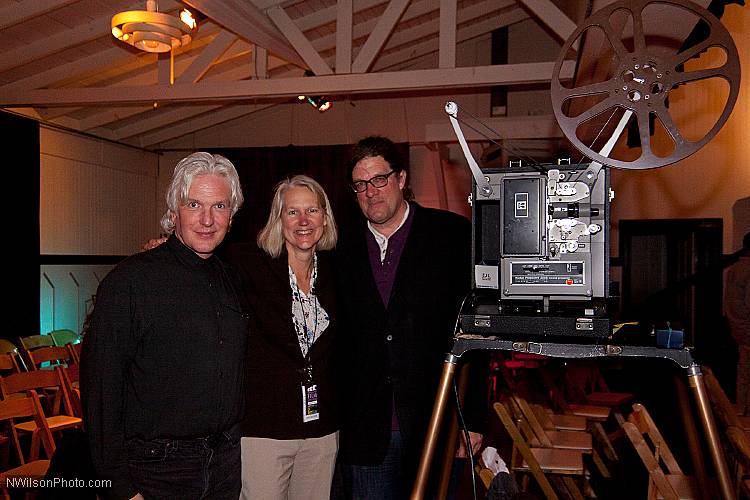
x: 378, y: 181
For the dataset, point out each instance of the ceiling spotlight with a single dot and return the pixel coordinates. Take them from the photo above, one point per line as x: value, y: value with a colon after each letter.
x: 153, y: 31
x: 324, y: 105
x: 318, y: 102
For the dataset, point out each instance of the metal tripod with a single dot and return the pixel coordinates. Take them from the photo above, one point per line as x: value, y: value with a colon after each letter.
x: 683, y: 357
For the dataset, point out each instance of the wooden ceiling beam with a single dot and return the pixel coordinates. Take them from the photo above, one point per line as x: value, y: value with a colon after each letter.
x: 298, y: 40
x: 19, y: 12
x: 250, y: 23
x: 552, y: 17
x: 415, y: 80
x: 379, y: 36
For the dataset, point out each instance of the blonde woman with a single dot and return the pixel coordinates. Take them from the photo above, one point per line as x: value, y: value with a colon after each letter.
x: 290, y: 432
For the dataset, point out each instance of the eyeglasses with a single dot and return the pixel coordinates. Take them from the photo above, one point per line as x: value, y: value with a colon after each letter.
x: 378, y: 181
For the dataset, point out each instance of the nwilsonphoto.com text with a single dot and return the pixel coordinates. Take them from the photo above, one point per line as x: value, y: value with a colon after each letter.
x: 27, y: 482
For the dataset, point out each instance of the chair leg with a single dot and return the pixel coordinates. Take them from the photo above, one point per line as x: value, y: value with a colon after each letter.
x: 598, y: 432
x: 600, y: 465
x: 35, y: 443
x: 572, y: 488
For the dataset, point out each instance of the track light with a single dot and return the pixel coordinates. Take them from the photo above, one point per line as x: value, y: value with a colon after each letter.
x: 318, y: 102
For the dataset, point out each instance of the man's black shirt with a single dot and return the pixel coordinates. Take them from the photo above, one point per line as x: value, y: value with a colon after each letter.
x: 163, y: 357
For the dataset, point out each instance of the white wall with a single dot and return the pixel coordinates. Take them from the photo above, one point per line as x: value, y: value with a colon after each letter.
x: 96, y: 198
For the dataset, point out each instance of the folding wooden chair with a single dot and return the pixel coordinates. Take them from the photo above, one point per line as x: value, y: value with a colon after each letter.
x: 560, y: 439
x: 596, y: 416
x: 557, y: 421
x: 7, y: 347
x: 53, y: 354
x: 38, y: 380
x: 560, y: 465
x: 75, y: 351
x: 33, y: 342
x: 70, y: 377
x: 8, y: 364
x: 63, y: 337
x: 654, y: 453
x: 586, y: 385
x: 30, y: 464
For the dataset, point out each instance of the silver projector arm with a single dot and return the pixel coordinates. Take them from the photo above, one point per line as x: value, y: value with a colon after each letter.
x: 482, y: 184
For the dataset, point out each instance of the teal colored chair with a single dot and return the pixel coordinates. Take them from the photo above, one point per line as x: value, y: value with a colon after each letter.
x: 63, y: 337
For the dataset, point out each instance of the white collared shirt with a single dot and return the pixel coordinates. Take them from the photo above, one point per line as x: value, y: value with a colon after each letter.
x: 381, y: 239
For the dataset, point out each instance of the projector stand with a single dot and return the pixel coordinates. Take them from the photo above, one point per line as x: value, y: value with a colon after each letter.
x: 683, y: 357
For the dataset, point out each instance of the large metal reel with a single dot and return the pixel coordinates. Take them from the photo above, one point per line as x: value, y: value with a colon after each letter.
x: 641, y: 80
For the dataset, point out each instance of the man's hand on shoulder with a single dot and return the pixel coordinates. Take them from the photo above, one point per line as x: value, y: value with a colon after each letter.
x: 153, y: 243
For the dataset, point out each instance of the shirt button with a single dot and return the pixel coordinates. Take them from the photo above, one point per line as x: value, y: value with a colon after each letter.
x: 221, y: 342
x: 389, y: 337
x: 218, y: 314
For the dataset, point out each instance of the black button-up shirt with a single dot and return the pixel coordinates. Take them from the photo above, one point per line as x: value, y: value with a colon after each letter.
x: 163, y: 357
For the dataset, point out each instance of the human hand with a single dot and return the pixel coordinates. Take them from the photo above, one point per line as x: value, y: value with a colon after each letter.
x: 153, y: 243
x: 476, y: 443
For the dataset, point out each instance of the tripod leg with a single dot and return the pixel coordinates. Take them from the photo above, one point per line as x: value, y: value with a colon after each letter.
x: 695, y: 378
x: 430, y: 441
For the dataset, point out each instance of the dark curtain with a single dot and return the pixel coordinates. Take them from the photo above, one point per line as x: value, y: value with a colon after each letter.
x: 260, y: 169
x: 20, y: 138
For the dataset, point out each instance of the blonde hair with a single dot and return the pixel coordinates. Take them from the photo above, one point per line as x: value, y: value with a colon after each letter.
x: 271, y: 237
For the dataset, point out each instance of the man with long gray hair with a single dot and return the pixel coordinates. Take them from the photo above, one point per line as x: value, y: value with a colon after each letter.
x: 162, y: 367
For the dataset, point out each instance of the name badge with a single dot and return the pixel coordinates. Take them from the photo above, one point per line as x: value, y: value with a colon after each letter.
x: 310, y: 403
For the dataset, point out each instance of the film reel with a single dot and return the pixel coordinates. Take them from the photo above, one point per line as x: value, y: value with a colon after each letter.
x: 640, y: 79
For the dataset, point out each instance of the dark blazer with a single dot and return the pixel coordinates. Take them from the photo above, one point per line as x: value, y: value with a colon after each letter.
x: 396, y: 354
x: 275, y: 366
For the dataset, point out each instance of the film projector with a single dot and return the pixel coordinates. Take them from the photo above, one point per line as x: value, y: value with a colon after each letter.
x: 540, y: 250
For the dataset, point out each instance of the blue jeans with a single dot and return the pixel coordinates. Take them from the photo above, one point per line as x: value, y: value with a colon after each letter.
x: 384, y: 481
x: 203, y: 468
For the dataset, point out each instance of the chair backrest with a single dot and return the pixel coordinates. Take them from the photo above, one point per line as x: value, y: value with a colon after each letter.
x: 652, y: 449
x: 8, y: 363
x: 68, y: 375
x: 533, y: 421
x: 27, y: 407
x: 51, y: 354
x: 33, y: 380
x: 62, y: 337
x: 6, y: 346
x: 521, y: 446
x: 35, y: 342
x: 75, y: 351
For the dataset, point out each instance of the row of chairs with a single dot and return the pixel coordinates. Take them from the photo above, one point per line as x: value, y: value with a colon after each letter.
x: 620, y: 433
x: 58, y: 389
x: 35, y: 351
x: 562, y: 460
x: 36, y: 406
